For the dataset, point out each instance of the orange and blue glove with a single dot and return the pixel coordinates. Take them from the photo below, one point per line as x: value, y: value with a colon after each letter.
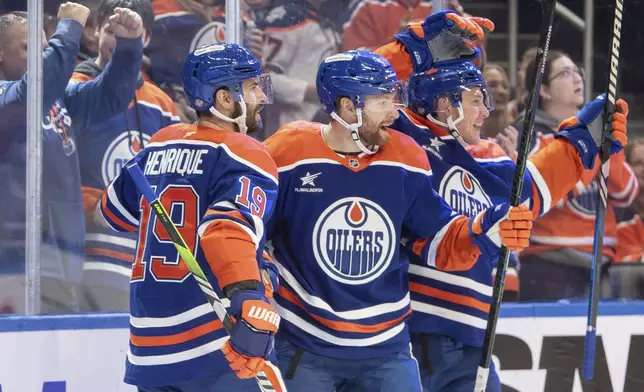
x: 584, y: 131
x: 252, y: 338
x: 501, y: 225
x: 443, y: 37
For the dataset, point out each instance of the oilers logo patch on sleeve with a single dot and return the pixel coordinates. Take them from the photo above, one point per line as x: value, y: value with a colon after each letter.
x: 123, y: 148
x: 463, y: 192
x: 354, y: 240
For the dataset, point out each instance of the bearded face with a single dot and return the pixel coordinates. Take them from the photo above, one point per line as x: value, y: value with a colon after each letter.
x: 253, y: 117
x: 373, y: 131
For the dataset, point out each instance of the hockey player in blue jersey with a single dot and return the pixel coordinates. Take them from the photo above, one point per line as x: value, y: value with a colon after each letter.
x: 448, y: 103
x: 349, y: 191
x: 220, y: 187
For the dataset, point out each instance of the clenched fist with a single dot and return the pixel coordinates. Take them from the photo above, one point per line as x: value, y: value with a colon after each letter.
x: 70, y: 10
x: 126, y: 23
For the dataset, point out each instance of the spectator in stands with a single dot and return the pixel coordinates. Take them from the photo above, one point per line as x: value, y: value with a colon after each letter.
x: 89, y: 41
x: 372, y: 24
x: 103, y: 148
x: 299, y: 35
x: 180, y: 27
x: 497, y: 125
x: 517, y: 105
x: 66, y: 108
x: 627, y: 273
x: 557, y: 263
x: 49, y: 24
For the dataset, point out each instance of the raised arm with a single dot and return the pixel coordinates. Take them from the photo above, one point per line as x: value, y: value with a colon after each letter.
x: 443, y: 37
x: 59, y: 60
x: 112, y: 91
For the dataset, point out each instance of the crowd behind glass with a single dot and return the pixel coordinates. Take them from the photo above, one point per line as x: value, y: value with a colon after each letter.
x: 291, y: 37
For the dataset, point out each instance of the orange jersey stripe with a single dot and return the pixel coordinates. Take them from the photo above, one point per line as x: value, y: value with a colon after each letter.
x: 122, y: 256
x: 115, y: 218
x: 169, y: 340
x: 343, y: 326
x: 400, y: 148
x: 456, y: 251
x: 449, y: 297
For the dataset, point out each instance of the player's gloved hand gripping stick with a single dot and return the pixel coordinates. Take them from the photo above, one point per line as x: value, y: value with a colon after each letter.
x: 515, y: 196
x: 144, y: 186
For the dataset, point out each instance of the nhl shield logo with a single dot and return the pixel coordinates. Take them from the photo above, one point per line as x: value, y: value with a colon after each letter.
x: 123, y: 148
x: 354, y: 241
x: 463, y: 192
x: 354, y: 163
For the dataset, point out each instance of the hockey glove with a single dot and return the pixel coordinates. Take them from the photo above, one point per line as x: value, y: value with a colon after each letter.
x: 443, y: 37
x: 501, y: 225
x: 584, y: 131
x: 252, y: 338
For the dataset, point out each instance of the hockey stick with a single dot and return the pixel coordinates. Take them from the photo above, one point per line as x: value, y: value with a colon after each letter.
x: 602, y: 195
x: 483, y: 371
x: 144, y: 186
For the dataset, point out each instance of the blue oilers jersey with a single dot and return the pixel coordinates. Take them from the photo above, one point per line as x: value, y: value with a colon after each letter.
x: 67, y: 111
x: 220, y: 188
x: 335, y: 239
x: 104, y: 148
x: 456, y: 304
x: 178, y: 32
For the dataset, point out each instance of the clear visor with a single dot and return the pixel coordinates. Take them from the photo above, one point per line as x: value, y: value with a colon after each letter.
x: 259, y: 90
x: 388, y: 102
x: 477, y: 96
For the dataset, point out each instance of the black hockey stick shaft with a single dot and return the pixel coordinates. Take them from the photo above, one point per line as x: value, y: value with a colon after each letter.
x: 602, y: 194
x: 548, y: 14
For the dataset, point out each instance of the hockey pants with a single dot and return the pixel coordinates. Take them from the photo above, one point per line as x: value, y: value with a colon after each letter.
x: 447, y: 365
x: 303, y: 371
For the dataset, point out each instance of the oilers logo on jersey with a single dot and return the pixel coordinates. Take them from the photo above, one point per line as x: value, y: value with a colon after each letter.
x: 211, y: 33
x: 354, y: 240
x: 463, y: 192
x: 123, y: 148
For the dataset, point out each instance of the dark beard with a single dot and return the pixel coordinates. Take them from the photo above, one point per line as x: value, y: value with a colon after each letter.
x: 373, y: 136
x: 251, y: 122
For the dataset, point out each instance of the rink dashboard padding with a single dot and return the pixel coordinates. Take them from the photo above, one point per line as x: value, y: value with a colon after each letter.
x: 539, y: 348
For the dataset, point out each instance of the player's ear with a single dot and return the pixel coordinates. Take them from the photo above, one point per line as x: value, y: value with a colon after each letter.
x: 346, y: 106
x: 224, y: 100
x: 443, y: 105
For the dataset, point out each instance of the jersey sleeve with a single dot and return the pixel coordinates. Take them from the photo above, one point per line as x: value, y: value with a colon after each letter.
x: 551, y: 173
x: 232, y: 231
x: 111, y: 92
x: 442, y: 236
x: 58, y: 65
x: 120, y: 200
x: 629, y: 235
x: 622, y: 183
x: 398, y: 57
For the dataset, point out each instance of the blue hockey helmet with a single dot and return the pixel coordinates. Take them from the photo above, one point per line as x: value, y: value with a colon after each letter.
x: 356, y: 74
x: 447, y: 81
x: 216, y: 66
